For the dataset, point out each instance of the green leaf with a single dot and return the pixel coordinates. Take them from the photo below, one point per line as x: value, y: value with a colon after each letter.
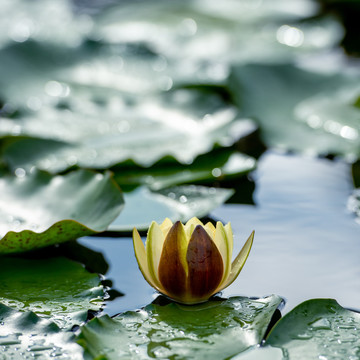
x: 177, y: 203
x: 315, y: 329
x: 184, y: 30
x: 216, y: 329
x: 177, y: 126
x: 38, y: 209
x: 56, y: 288
x: 23, y: 335
x: 318, y: 329
x: 214, y: 167
x: 286, y: 117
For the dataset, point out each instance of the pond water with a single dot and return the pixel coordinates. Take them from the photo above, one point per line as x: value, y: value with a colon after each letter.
x: 307, y: 243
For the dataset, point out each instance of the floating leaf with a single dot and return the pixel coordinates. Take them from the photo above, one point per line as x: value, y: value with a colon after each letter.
x: 183, y: 30
x: 177, y: 203
x: 41, y: 20
x: 334, y: 114
x: 216, y: 166
x: 24, y: 335
x: 262, y: 92
x: 178, y: 126
x: 216, y: 329
x: 38, y: 209
x: 55, y: 288
x: 318, y: 329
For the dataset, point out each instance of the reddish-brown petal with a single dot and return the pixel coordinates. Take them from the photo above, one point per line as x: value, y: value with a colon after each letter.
x: 172, y: 273
x: 205, y: 264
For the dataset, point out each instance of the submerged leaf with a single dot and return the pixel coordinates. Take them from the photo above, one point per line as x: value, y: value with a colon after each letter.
x: 38, y: 209
x: 216, y: 329
x: 55, y: 288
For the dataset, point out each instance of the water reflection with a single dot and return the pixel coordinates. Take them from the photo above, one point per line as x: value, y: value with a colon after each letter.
x: 306, y: 243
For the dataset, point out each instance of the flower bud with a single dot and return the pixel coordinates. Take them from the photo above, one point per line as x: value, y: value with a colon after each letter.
x: 189, y: 263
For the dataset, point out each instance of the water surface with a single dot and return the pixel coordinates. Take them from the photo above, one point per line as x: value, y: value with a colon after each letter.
x: 307, y: 243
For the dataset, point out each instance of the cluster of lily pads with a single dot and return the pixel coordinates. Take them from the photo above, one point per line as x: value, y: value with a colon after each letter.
x: 113, y: 116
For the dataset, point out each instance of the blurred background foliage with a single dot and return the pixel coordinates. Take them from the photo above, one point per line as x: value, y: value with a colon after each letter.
x: 170, y: 95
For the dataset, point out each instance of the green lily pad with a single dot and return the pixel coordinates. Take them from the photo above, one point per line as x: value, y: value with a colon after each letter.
x: 38, y: 209
x: 56, y: 288
x: 217, y: 166
x: 335, y: 114
x: 262, y: 92
x: 179, y: 126
x: 318, y: 329
x: 41, y: 20
x: 183, y: 30
x: 216, y: 329
x: 315, y: 329
x: 24, y: 335
x: 177, y: 203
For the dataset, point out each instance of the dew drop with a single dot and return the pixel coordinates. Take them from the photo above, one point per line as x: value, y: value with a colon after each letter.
x: 216, y: 172
x: 183, y: 199
x: 20, y: 172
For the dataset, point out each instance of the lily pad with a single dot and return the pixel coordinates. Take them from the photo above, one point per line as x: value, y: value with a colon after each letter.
x: 318, y: 329
x: 38, y: 209
x: 55, y: 288
x: 183, y: 30
x: 262, y: 92
x: 178, y: 126
x: 177, y: 203
x: 24, y: 335
x: 41, y: 20
x: 214, y: 167
x: 315, y: 329
x: 216, y: 329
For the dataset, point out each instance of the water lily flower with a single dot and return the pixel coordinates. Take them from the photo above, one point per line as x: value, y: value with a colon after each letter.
x: 189, y: 263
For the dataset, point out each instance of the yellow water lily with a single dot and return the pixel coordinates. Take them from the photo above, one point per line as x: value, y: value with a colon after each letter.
x: 189, y: 263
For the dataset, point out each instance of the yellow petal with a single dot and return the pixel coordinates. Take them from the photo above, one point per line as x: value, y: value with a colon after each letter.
x: 238, y: 263
x: 222, y: 242
x: 140, y: 255
x: 173, y: 267
x: 230, y: 237
x: 165, y: 226
x: 190, y: 226
x: 210, y: 228
x: 154, y: 244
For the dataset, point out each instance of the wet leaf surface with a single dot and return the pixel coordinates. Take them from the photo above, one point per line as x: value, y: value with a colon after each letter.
x: 216, y: 329
x: 315, y: 329
x: 24, y: 335
x: 312, y: 118
x: 318, y: 328
x: 56, y: 288
x: 39, y: 209
x: 177, y: 126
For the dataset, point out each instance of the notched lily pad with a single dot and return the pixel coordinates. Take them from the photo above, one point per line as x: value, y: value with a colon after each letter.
x: 216, y: 329
x: 318, y: 329
x: 24, y: 335
x: 38, y: 209
x: 55, y: 288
